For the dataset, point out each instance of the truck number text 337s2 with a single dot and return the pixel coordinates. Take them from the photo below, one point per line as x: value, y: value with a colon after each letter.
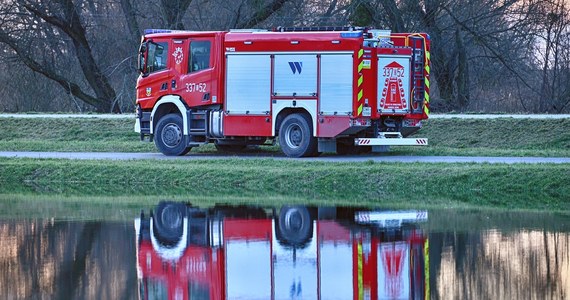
x: 312, y: 91
x: 196, y: 87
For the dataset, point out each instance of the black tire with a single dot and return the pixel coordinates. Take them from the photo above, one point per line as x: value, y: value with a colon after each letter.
x: 295, y: 226
x: 185, y: 151
x: 168, y: 221
x: 169, y: 136
x: 296, y: 136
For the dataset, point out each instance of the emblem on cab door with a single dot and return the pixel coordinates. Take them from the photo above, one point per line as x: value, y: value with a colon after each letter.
x: 178, y: 55
x: 148, y: 91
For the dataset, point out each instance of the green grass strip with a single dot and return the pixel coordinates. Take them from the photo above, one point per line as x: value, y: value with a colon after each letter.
x: 464, y: 137
x: 267, y: 181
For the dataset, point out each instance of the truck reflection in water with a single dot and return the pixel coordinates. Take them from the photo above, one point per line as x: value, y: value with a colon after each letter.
x: 291, y: 252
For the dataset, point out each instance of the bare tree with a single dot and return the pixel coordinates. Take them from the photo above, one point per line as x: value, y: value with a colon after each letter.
x: 553, y: 34
x: 470, y: 40
x: 60, y: 17
x: 486, y: 55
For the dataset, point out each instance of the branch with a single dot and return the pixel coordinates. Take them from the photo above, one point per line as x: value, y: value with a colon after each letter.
x: 262, y: 14
x: 70, y: 27
x: 130, y: 15
x: 67, y: 85
x: 487, y: 46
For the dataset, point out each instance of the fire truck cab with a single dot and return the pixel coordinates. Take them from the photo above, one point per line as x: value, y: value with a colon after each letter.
x: 313, y: 90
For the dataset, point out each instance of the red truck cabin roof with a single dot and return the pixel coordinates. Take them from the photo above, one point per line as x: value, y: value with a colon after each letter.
x: 271, y: 41
x: 180, y: 34
x: 293, y: 41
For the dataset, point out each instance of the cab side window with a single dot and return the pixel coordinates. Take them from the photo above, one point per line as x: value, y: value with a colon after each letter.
x: 199, y: 56
x: 157, y: 56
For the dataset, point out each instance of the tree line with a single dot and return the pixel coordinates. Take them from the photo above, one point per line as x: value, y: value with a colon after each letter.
x: 487, y: 55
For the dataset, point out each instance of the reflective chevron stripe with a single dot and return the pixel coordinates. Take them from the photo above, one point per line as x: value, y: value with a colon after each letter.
x: 426, y: 83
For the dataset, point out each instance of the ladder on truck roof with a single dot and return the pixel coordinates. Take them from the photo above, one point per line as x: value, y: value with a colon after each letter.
x: 417, y: 43
x: 319, y: 28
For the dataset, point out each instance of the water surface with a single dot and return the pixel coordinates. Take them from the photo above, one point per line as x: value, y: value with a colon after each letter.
x: 294, y: 252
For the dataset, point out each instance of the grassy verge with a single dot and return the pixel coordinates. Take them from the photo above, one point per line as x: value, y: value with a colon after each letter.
x: 127, y: 208
x: 490, y: 137
x: 270, y: 182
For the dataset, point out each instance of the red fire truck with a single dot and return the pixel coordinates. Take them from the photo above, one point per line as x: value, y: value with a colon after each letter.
x: 296, y: 252
x: 312, y: 89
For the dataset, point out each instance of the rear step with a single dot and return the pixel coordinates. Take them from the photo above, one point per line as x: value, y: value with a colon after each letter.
x: 390, y: 139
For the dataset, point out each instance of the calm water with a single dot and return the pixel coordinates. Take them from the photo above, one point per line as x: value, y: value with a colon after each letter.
x: 292, y: 252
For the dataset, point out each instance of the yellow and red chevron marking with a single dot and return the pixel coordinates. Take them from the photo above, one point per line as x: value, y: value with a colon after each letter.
x: 359, y: 83
x: 426, y: 83
x: 426, y: 270
x: 360, y: 265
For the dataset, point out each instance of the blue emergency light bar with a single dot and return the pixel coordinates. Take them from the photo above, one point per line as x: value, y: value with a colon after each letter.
x: 151, y: 31
x: 352, y: 34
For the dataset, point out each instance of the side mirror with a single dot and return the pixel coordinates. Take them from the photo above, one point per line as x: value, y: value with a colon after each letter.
x: 142, y: 58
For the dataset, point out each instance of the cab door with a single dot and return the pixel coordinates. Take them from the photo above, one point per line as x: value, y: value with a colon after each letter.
x: 156, y: 64
x: 196, y: 85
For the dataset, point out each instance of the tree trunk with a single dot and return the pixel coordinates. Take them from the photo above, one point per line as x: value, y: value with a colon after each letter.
x: 130, y: 16
x: 462, y: 72
x: 173, y: 12
x: 394, y: 15
x: 262, y: 14
x: 71, y: 25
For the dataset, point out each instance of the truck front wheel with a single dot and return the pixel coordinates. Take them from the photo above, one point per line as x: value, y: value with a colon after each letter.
x: 169, y: 136
x: 296, y: 136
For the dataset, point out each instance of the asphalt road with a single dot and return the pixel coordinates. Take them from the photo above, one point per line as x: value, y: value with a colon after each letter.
x: 334, y: 158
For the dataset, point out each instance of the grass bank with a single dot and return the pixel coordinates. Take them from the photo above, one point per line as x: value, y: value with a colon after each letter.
x: 271, y: 182
x: 462, y: 137
x: 126, y: 208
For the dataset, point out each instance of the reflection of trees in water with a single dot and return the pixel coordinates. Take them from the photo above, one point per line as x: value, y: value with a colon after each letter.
x: 495, y: 265
x: 67, y: 260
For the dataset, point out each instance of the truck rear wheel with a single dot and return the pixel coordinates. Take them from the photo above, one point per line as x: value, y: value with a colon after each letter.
x: 294, y: 226
x: 296, y: 136
x: 169, y: 136
x: 168, y: 222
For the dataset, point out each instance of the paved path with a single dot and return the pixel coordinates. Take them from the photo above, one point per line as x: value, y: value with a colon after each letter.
x: 336, y: 158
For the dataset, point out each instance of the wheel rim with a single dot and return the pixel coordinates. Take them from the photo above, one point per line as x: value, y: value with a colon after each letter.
x: 293, y: 220
x: 294, y: 136
x: 171, y: 135
x: 171, y: 218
